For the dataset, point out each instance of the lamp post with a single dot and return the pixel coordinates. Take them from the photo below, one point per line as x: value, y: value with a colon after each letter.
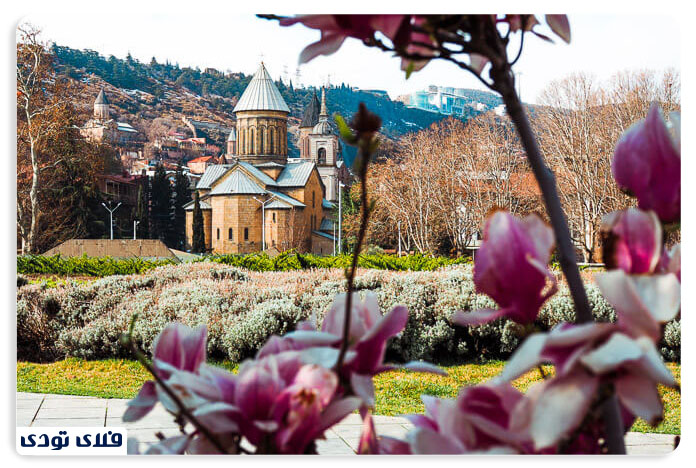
x: 399, y: 227
x: 135, y: 227
x: 111, y: 218
x: 340, y: 208
x: 263, y: 221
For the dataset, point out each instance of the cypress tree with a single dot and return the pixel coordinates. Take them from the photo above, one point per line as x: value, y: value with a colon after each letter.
x: 198, y: 241
x: 181, y: 197
x: 161, y: 205
x: 141, y: 214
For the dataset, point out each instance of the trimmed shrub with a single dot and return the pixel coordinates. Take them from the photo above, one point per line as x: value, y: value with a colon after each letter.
x: 242, y: 309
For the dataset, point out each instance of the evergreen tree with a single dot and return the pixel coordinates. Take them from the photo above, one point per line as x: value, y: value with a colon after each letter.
x: 181, y: 197
x: 141, y: 214
x: 198, y: 241
x: 161, y: 205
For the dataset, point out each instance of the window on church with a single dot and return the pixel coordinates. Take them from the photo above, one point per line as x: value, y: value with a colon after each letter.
x: 229, y: 234
x: 218, y: 233
x: 273, y: 151
x: 251, y: 138
x: 246, y: 234
x: 263, y: 148
x: 312, y: 199
x: 274, y: 217
x: 321, y: 156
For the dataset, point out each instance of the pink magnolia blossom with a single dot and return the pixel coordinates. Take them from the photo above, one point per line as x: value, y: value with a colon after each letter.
x: 585, y: 356
x: 642, y: 302
x: 632, y: 240
x: 670, y: 261
x: 368, y: 336
x: 647, y: 164
x: 177, y: 347
x: 336, y: 28
x: 406, y: 34
x: 479, y: 420
x: 511, y: 268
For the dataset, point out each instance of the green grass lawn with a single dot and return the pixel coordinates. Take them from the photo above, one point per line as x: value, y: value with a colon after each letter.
x: 396, y: 392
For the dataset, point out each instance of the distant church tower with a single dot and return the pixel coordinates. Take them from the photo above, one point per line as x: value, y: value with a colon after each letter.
x: 309, y: 120
x: 319, y: 144
x: 262, y: 122
x: 101, y: 106
x: 232, y: 143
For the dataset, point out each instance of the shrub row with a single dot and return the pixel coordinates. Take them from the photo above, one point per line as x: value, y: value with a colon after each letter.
x: 287, y: 261
x: 88, y: 266
x: 242, y: 309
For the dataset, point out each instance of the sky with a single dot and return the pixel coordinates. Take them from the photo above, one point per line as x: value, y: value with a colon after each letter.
x: 226, y: 39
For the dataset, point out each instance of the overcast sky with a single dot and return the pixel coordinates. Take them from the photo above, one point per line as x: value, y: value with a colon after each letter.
x: 222, y: 38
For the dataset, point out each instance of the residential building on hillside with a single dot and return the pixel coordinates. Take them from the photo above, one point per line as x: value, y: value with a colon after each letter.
x: 261, y: 199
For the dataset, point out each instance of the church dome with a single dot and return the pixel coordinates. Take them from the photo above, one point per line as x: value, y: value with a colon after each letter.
x: 261, y: 94
x: 322, y: 128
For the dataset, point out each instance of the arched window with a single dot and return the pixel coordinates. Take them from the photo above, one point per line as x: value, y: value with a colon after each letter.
x: 241, y: 146
x: 246, y: 234
x: 312, y: 199
x: 273, y: 151
x: 321, y: 156
x: 218, y: 233
x: 261, y: 147
x: 229, y: 234
x: 252, y: 147
x: 274, y: 217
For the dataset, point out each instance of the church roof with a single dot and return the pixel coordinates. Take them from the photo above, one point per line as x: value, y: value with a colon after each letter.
x: 286, y: 199
x: 311, y: 114
x: 212, y: 173
x: 101, y: 98
x: 295, y: 174
x: 261, y: 94
x: 237, y: 183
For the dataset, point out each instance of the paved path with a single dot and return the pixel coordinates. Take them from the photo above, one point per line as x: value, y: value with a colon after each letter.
x: 43, y: 410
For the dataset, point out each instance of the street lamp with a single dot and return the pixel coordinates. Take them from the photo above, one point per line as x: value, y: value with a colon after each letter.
x: 135, y: 226
x: 111, y: 217
x: 263, y: 221
x: 340, y: 207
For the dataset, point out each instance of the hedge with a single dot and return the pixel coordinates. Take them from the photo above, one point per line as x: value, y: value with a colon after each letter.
x: 286, y: 261
x: 242, y: 309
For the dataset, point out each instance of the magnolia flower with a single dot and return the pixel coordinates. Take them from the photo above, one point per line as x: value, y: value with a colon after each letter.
x: 642, y: 302
x: 511, y: 268
x: 177, y: 347
x: 411, y: 35
x: 647, y: 164
x: 586, y: 356
x: 670, y: 261
x: 336, y: 28
x: 478, y: 420
x: 632, y: 240
x: 367, y: 337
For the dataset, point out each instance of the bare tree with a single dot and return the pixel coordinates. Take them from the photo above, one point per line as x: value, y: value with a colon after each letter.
x: 36, y: 101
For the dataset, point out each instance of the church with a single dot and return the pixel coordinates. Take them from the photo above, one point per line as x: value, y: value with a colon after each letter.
x: 262, y: 200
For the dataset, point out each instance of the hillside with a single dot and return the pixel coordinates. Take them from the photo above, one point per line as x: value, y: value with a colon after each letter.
x: 142, y: 92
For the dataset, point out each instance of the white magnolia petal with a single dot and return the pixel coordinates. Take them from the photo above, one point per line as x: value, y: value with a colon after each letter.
x: 425, y: 441
x: 527, y: 356
x: 561, y: 408
x: 661, y: 295
x: 618, y: 350
x: 640, y: 396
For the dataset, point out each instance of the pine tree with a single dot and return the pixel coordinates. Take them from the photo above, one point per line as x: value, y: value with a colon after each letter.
x: 181, y: 197
x: 198, y: 241
x: 161, y: 205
